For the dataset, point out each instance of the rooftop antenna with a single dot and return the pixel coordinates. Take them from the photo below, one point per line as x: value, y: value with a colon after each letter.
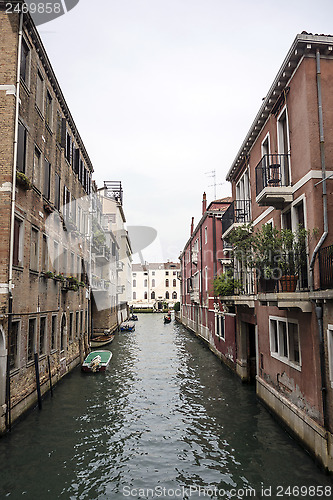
x: 212, y: 173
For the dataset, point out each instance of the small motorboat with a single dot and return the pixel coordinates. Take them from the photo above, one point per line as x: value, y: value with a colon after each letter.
x: 101, y: 340
x: 133, y: 317
x: 127, y: 326
x: 167, y: 319
x: 96, y: 361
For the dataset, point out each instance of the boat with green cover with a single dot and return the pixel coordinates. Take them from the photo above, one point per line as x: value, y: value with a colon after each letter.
x: 96, y: 361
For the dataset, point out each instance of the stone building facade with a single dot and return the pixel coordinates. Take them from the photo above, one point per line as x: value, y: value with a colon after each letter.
x: 45, y: 189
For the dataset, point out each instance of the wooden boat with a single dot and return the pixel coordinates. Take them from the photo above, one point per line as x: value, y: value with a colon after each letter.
x: 97, y: 361
x: 167, y: 319
x: 101, y: 340
x: 127, y: 326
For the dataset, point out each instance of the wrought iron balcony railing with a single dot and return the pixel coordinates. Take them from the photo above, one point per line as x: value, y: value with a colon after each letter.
x: 238, y: 212
x: 272, y: 171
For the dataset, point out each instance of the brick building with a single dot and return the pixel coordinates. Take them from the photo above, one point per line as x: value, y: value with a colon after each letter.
x: 282, y: 179
x: 202, y: 259
x: 45, y: 185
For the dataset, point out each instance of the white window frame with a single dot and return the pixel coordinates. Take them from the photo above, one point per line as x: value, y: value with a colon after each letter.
x: 268, y: 139
x: 220, y: 320
x: 206, y: 235
x: 277, y: 355
x: 278, y: 135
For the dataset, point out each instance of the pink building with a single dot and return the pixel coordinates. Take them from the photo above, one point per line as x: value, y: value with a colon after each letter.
x: 202, y: 259
x: 282, y: 177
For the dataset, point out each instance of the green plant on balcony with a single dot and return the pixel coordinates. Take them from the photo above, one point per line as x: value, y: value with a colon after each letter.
x: 23, y: 180
x: 81, y: 284
x: 49, y: 274
x: 225, y: 284
x: 59, y: 277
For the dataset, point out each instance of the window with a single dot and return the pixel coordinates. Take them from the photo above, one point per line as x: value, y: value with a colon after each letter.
x: 174, y: 283
x: 18, y: 242
x: 77, y: 320
x: 134, y: 275
x: 72, y: 268
x: 71, y: 320
x: 283, y: 144
x: 40, y: 92
x: 78, y: 267
x: 166, y: 273
x: 45, y: 254
x: 34, y: 249
x: 64, y: 261
x: 36, y: 168
x: 42, y: 335
x: 68, y: 151
x: 24, y: 68
x: 31, y: 339
x: 134, y: 295
x: 167, y: 295
x: 153, y: 282
x: 166, y: 283
x: 57, y: 191
x: 47, y: 179
x: 14, y: 345
x: 63, y: 332
x: 59, y: 128
x: 145, y: 295
x: 174, y: 295
x: 206, y: 279
x: 134, y: 283
x: 81, y: 322
x: 56, y: 257
x: 152, y: 296
x: 206, y: 234
x: 21, y: 148
x: 54, y: 332
x: 48, y: 109
x: 153, y: 273
x: 284, y: 340
x: 145, y: 283
x: 220, y: 326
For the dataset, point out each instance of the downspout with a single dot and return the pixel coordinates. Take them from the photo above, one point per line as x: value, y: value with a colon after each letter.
x: 323, y: 171
x: 12, y: 222
x: 319, y: 314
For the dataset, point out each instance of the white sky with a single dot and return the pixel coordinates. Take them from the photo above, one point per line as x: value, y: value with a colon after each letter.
x: 163, y: 91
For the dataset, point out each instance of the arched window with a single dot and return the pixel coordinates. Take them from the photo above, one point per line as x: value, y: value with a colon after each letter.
x: 152, y: 295
x: 134, y: 283
x: 146, y: 295
x: 134, y: 295
x: 166, y: 283
x: 174, y: 283
x: 63, y: 332
x: 145, y: 283
x: 174, y: 295
x: 167, y: 295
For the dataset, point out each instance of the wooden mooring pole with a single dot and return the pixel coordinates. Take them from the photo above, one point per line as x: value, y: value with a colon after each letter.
x: 50, y: 375
x: 39, y: 395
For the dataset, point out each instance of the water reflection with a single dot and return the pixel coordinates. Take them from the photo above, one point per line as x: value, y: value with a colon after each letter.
x: 166, y: 415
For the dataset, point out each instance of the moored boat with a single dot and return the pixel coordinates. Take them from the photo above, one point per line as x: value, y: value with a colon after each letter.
x: 101, y: 340
x: 96, y: 361
x: 127, y: 326
x: 133, y: 317
x: 167, y: 319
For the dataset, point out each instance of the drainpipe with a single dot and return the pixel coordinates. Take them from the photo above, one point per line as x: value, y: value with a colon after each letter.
x: 319, y: 314
x: 12, y: 216
x: 323, y: 170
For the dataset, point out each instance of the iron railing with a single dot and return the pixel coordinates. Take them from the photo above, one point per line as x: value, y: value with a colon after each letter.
x: 326, y: 267
x: 286, y: 272
x: 239, y: 211
x: 272, y: 171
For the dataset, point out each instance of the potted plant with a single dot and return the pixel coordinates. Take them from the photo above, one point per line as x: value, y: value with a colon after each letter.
x: 59, y: 277
x: 49, y: 274
x: 23, y: 180
x: 293, y: 257
x: 225, y: 284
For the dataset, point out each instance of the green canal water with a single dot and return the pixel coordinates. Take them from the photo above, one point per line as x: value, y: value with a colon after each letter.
x: 167, y: 420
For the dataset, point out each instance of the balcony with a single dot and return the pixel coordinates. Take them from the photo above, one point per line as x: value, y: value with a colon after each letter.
x: 120, y: 289
x: 273, y: 187
x: 103, y: 254
x: 119, y: 265
x: 195, y: 256
x: 237, y: 214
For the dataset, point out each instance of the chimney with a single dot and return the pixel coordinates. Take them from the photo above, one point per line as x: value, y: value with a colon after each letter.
x: 192, y: 226
x: 204, y: 203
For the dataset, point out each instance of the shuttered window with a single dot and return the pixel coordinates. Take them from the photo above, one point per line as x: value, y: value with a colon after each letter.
x: 47, y: 179
x: 21, y: 148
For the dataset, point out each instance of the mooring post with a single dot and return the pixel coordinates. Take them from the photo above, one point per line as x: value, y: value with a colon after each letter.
x: 50, y: 375
x: 38, y: 382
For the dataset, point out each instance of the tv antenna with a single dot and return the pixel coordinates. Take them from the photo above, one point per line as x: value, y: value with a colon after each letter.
x: 212, y: 173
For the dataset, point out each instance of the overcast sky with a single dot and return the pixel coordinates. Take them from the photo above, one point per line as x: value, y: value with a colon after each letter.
x: 164, y: 91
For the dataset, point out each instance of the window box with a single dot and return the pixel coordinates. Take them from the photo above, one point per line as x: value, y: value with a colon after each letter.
x: 23, y: 181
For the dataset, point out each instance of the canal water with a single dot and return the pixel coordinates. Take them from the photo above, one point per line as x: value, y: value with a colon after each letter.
x: 167, y: 420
